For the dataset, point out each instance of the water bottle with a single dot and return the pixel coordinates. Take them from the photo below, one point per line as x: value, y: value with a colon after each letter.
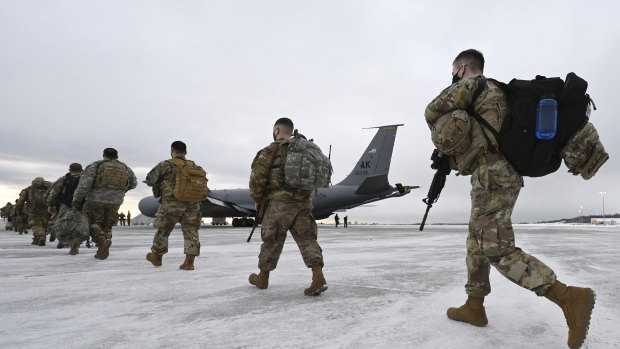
x: 546, y: 118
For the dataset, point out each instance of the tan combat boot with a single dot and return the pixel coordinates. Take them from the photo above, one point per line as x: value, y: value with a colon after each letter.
x: 471, y: 312
x: 75, y: 248
x: 104, y: 248
x: 188, y: 264
x: 577, y: 304
x: 261, y: 280
x: 155, y: 259
x: 319, y: 285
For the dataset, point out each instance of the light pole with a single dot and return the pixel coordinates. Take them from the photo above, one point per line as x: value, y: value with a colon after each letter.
x: 603, y: 193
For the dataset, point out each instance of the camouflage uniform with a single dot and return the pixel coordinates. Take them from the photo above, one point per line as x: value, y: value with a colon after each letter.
x: 288, y: 209
x: 102, y: 201
x: 31, y: 201
x: 495, y: 188
x: 171, y: 211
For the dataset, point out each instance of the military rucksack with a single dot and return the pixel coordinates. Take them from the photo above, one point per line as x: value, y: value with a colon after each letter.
x: 191, y: 181
x: 306, y: 167
x: 113, y: 175
x: 71, y: 227
x: 36, y: 196
x: 577, y: 144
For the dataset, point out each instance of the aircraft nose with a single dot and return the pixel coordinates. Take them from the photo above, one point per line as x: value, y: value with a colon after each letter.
x: 149, y: 206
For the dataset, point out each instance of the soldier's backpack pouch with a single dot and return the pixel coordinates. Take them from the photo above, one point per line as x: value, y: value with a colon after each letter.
x: 584, y: 153
x: 72, y: 227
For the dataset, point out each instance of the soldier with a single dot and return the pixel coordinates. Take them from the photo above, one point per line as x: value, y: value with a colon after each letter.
x: 18, y: 220
x: 6, y: 214
x: 337, y: 220
x: 32, y: 202
x: 121, y: 217
x: 495, y: 188
x: 103, y: 185
x: 174, y: 208
x: 128, y: 218
x: 60, y: 196
x: 286, y: 208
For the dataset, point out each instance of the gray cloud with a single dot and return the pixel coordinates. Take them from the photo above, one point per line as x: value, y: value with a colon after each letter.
x: 76, y: 77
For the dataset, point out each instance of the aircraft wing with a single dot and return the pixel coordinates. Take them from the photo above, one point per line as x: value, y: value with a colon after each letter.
x: 239, y: 207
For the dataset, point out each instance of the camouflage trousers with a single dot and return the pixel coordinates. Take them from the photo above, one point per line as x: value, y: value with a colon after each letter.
x: 38, y: 222
x: 170, y: 213
x: 491, y: 241
x: 296, y: 217
x: 101, y: 218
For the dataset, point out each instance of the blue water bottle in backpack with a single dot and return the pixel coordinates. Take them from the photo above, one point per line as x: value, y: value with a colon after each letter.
x: 546, y: 118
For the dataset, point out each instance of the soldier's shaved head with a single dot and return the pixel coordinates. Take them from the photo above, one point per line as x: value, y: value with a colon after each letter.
x: 179, y: 147
x: 473, y: 59
x: 286, y: 126
x: 110, y: 153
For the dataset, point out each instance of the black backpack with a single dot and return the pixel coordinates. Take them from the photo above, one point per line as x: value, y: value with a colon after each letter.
x: 66, y: 194
x: 517, y: 140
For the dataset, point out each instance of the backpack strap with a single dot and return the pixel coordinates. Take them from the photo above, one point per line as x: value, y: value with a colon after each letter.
x: 470, y: 110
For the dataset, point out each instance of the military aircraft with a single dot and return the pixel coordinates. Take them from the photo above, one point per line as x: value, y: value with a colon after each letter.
x: 367, y: 182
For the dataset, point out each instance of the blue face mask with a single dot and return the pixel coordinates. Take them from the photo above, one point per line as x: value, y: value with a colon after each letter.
x: 456, y: 78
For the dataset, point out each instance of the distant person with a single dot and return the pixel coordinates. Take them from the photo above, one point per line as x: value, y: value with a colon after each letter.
x: 32, y: 202
x: 128, y: 218
x: 337, y: 219
x: 179, y: 203
x: 4, y: 212
x: 103, y: 185
x: 121, y: 218
x: 19, y: 220
x: 345, y: 221
x: 495, y: 188
x: 60, y: 196
x: 286, y: 208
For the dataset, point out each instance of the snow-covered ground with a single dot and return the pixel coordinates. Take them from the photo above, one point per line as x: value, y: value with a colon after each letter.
x: 389, y: 287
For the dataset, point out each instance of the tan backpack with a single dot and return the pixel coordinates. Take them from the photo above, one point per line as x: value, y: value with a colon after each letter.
x: 191, y: 181
x: 113, y: 175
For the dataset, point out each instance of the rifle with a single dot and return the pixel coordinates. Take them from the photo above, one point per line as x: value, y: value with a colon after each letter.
x: 440, y: 163
x: 259, y: 217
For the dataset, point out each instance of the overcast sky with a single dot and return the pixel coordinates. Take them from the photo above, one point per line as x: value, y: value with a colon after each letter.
x: 79, y: 76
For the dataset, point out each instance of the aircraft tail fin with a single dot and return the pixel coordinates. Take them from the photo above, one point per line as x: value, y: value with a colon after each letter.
x: 371, y: 171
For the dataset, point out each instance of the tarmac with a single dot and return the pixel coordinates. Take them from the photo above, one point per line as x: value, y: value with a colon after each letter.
x: 389, y: 287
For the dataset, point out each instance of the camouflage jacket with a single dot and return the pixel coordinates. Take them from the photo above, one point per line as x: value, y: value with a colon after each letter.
x: 267, y: 176
x: 57, y: 189
x: 163, y: 179
x: 29, y: 202
x: 86, y: 191
x: 492, y: 105
x: 5, y: 210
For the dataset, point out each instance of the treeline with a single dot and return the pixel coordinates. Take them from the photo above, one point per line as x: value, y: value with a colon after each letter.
x: 584, y: 219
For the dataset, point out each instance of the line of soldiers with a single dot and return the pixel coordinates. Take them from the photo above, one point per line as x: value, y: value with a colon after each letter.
x: 98, y: 191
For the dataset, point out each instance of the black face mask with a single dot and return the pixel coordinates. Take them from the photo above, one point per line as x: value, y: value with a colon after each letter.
x: 456, y: 78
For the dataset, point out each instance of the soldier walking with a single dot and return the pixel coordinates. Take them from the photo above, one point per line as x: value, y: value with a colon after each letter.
x: 285, y: 209
x: 180, y: 202
x: 60, y: 196
x: 32, y: 202
x: 121, y: 217
x: 495, y: 188
x: 103, y: 186
x: 128, y: 218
